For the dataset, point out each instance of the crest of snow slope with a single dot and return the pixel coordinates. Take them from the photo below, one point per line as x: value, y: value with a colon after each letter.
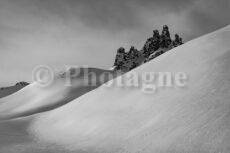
x: 35, y: 99
x: 194, y: 119
x: 6, y: 91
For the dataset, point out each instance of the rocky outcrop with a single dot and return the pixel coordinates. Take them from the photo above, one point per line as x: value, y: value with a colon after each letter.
x: 6, y: 91
x: 22, y: 83
x: 153, y: 47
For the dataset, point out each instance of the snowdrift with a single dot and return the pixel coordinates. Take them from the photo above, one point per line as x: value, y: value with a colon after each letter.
x: 35, y: 99
x: 194, y: 119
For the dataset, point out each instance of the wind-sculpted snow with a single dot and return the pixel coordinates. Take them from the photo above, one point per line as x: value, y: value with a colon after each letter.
x: 34, y: 99
x: 6, y: 91
x: 192, y: 119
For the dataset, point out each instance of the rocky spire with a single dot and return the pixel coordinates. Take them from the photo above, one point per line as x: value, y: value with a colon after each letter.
x: 177, y: 41
x: 165, y: 37
x: 165, y: 31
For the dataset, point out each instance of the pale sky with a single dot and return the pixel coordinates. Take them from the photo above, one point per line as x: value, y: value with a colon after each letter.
x: 88, y: 32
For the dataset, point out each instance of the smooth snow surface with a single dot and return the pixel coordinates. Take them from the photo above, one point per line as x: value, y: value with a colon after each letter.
x: 193, y: 119
x: 35, y: 99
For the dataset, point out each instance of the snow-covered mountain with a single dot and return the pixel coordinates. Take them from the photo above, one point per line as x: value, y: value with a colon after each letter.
x: 193, y: 119
x: 35, y: 99
x: 6, y: 91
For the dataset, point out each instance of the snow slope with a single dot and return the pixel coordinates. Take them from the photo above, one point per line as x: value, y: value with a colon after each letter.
x: 6, y: 91
x: 194, y: 119
x: 35, y: 99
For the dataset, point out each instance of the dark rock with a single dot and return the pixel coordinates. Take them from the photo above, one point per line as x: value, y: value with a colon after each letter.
x: 153, y: 47
x: 22, y: 83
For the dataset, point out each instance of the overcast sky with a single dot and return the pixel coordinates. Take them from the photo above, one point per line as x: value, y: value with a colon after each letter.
x: 88, y: 32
